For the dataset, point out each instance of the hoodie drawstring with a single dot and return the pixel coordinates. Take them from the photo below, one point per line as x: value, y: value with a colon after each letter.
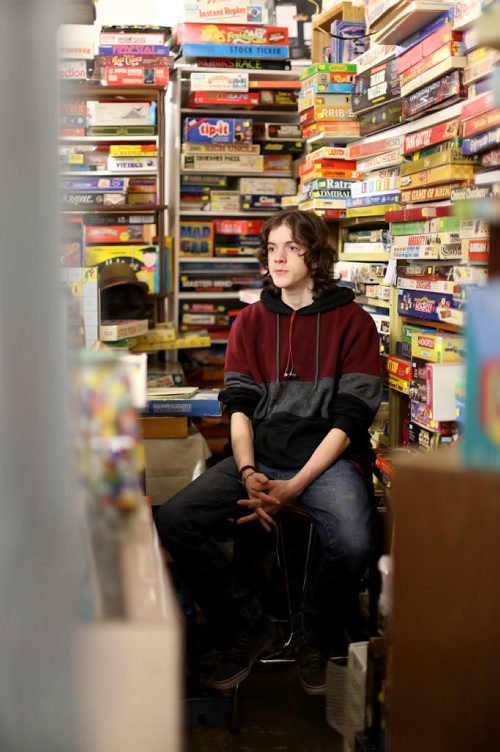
x: 289, y: 372
x: 290, y: 365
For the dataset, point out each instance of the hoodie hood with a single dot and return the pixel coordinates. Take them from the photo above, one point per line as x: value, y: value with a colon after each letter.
x: 339, y: 296
x: 336, y: 298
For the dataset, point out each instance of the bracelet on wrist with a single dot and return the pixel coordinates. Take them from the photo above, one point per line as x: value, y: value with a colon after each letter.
x: 242, y: 470
x: 244, y: 481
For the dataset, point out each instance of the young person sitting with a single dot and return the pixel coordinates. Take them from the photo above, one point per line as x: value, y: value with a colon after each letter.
x: 302, y: 385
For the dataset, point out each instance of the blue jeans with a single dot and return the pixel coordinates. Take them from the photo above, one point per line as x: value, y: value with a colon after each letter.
x: 338, y: 503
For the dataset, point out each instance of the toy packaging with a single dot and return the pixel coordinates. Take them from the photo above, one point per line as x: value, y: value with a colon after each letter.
x: 196, y: 238
x: 437, y: 348
x: 376, y: 86
x: 231, y: 34
x: 218, y: 130
x: 219, y: 11
x: 223, y: 162
x: 219, y: 81
x: 431, y: 306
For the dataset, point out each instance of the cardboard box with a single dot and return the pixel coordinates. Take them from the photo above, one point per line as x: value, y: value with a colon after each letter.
x: 196, y: 238
x: 326, y: 113
x: 254, y: 51
x: 164, y: 427
x: 219, y: 11
x: 269, y: 186
x: 228, y: 99
x: 224, y: 162
x: 443, y: 36
x: 218, y: 130
x: 277, y: 132
x: 376, y: 86
x: 431, y: 306
x: 173, y: 463
x: 437, y: 348
x: 443, y: 174
x: 219, y: 81
x: 439, y: 380
x: 116, y: 113
x: 224, y: 200
x: 231, y: 34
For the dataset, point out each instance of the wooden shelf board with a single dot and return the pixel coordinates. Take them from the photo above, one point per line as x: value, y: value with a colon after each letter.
x: 454, y: 328
x: 217, y: 259
x: 343, y: 11
x: 91, y: 88
x: 224, y: 214
x: 208, y: 295
x: 239, y: 112
x: 117, y: 210
x: 375, y: 302
x: 376, y: 220
x: 238, y: 174
x: 110, y: 173
x: 105, y: 139
x: 405, y: 23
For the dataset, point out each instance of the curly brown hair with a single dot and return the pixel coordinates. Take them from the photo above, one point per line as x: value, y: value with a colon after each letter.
x: 311, y: 232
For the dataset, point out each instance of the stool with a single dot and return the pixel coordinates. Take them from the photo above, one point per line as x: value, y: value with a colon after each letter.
x: 296, y: 513
x: 284, y: 654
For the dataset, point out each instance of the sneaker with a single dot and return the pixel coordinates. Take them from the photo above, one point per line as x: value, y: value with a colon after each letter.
x: 244, y: 649
x: 311, y: 664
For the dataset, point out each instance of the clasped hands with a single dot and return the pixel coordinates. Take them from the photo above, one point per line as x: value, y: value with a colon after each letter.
x: 265, y: 498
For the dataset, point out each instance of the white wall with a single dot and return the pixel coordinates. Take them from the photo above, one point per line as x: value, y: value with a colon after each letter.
x: 160, y: 12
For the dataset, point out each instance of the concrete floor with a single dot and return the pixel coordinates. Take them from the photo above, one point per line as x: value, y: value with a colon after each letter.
x: 275, y: 714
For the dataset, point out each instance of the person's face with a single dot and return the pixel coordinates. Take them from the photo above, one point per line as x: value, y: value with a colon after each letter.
x: 149, y: 259
x: 285, y: 260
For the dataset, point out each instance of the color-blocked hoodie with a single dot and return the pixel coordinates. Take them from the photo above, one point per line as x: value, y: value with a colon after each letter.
x: 332, y: 346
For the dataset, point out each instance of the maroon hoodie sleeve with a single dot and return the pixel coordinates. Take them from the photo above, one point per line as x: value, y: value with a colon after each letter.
x: 359, y: 391
x: 240, y: 393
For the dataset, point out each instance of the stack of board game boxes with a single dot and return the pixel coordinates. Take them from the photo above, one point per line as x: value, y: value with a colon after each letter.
x: 327, y: 123
x: 427, y: 159
x: 226, y: 144
x: 325, y: 103
x: 326, y: 177
x: 133, y: 56
x: 230, y: 40
x: 223, y: 239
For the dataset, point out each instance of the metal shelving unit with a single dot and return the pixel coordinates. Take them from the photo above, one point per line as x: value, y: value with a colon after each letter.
x: 90, y: 91
x: 180, y: 93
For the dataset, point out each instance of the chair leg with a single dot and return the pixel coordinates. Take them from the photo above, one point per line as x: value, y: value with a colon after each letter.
x: 308, y: 562
x: 234, y: 721
x: 283, y: 567
x: 285, y: 653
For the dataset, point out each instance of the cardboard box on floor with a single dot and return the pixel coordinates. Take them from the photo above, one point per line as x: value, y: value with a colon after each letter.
x: 172, y: 463
x: 445, y: 623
